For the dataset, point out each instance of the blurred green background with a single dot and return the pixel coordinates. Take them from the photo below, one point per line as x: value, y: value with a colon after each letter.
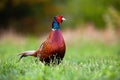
x: 91, y: 32
x: 34, y: 16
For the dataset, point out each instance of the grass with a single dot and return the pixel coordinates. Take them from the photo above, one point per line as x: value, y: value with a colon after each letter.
x: 84, y: 60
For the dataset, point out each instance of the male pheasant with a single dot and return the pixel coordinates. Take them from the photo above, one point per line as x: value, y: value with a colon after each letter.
x: 53, y: 49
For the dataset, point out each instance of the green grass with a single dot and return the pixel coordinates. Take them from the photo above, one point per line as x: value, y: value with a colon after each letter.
x: 84, y: 60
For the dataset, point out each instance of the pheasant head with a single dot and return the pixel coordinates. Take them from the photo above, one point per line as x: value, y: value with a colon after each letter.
x: 57, y: 21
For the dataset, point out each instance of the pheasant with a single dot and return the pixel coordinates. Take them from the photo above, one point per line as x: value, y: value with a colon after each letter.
x: 52, y: 50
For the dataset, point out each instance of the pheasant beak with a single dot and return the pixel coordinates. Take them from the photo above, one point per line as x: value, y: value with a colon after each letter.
x: 63, y: 19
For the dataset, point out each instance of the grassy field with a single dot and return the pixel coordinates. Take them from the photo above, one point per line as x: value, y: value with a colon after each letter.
x: 84, y: 60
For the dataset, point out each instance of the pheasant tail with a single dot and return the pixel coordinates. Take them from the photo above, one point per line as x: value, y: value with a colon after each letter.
x: 26, y: 53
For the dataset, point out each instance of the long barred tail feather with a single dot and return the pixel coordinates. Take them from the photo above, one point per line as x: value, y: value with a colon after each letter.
x: 25, y: 54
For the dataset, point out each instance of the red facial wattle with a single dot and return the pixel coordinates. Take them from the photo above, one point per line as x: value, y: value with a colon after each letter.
x: 59, y: 19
